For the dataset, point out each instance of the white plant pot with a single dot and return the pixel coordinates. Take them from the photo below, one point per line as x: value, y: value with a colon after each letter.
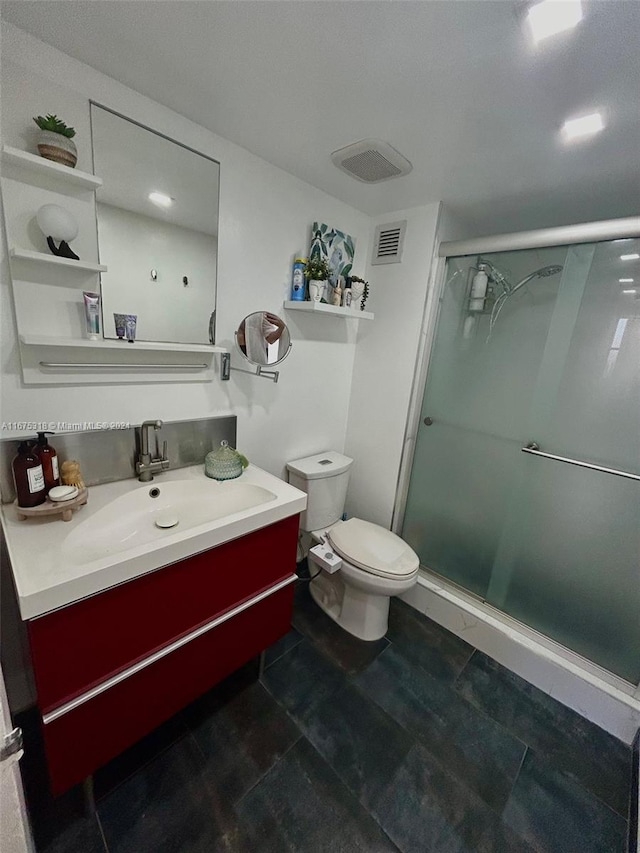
x: 316, y: 290
x: 56, y: 147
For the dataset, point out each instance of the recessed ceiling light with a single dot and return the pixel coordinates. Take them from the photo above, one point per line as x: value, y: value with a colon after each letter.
x: 625, y: 280
x: 161, y: 199
x: 630, y: 292
x: 577, y: 128
x: 553, y: 16
x: 633, y: 257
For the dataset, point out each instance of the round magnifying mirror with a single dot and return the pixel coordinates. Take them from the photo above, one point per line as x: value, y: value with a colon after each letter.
x: 263, y: 338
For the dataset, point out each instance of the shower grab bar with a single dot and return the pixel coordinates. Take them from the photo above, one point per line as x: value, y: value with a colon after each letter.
x: 534, y: 450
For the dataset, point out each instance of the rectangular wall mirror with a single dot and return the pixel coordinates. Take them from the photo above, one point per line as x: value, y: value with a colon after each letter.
x: 157, y: 217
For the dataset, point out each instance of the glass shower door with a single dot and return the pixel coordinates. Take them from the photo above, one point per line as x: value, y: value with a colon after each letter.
x: 476, y: 402
x: 568, y: 562
x: 554, y: 362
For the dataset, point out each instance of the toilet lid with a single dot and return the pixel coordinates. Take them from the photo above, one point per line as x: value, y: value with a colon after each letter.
x: 373, y: 549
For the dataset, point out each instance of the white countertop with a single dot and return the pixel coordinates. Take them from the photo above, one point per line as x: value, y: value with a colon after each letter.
x: 46, y: 579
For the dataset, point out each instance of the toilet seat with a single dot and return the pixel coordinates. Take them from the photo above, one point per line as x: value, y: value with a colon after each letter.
x: 373, y: 549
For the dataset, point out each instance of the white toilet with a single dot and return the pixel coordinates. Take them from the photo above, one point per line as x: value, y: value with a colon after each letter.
x: 376, y: 563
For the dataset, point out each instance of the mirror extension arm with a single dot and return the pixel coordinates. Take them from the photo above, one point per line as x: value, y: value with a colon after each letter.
x: 225, y: 369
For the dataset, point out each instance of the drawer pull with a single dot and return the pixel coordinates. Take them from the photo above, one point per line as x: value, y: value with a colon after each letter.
x: 167, y: 650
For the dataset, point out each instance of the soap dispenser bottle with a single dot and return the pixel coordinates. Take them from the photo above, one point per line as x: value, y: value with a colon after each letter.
x: 28, y: 476
x: 49, y: 459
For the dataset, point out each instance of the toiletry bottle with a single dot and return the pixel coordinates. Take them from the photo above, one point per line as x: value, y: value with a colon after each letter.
x: 297, y: 283
x: 92, y: 314
x: 49, y: 459
x: 478, y: 293
x: 348, y: 294
x: 28, y: 476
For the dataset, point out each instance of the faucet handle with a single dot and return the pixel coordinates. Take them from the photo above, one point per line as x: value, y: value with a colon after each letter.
x: 164, y: 451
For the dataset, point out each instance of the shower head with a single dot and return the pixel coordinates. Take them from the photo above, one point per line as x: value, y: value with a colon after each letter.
x: 543, y: 272
x: 551, y: 270
x: 498, y: 305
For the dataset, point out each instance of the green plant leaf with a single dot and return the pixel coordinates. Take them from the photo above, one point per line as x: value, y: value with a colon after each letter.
x: 53, y: 124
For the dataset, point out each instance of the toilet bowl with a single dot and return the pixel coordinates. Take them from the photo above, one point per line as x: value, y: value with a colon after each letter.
x: 375, y: 563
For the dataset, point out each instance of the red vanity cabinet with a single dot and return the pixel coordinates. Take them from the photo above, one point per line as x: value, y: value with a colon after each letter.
x: 111, y: 667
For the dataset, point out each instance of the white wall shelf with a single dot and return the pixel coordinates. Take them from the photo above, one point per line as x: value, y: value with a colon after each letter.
x: 333, y: 310
x: 43, y: 166
x: 123, y: 346
x: 55, y: 260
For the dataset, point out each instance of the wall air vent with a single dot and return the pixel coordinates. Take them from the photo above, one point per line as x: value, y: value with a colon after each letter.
x: 388, y: 243
x: 371, y: 161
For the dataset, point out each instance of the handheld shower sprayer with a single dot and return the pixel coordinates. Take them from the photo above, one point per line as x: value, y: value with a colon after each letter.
x: 543, y: 272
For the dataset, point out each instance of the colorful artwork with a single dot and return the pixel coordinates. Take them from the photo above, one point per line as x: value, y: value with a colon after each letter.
x: 334, y: 246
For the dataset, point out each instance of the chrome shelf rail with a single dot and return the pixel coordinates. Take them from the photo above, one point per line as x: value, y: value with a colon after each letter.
x: 534, y: 450
x: 101, y: 366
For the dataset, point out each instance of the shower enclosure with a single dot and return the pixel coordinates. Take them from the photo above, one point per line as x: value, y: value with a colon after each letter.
x: 525, y: 480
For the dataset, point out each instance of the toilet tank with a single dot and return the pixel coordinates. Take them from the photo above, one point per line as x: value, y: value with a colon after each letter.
x: 324, y: 477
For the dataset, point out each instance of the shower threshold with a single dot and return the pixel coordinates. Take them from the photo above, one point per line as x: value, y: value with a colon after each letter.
x: 597, y: 694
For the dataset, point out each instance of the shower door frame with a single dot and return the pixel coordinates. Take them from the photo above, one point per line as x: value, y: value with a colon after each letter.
x: 588, y: 232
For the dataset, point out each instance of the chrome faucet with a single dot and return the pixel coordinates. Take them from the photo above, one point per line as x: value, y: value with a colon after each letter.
x: 147, y: 465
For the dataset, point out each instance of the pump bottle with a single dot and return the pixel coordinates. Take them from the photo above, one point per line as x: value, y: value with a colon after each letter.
x: 49, y: 459
x: 479, y: 286
x: 28, y: 476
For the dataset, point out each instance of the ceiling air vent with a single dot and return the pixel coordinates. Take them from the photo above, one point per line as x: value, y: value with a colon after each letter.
x: 371, y: 161
x: 388, y: 242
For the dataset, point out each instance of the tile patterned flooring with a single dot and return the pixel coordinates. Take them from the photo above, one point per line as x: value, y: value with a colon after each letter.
x: 417, y: 742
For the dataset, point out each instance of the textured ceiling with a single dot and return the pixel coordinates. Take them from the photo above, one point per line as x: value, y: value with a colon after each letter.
x: 455, y: 86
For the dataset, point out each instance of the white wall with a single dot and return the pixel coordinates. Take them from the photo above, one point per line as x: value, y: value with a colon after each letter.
x: 384, y: 367
x: 265, y: 219
x: 131, y: 244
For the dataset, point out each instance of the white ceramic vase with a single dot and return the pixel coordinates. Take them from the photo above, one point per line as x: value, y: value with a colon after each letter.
x: 56, y: 147
x: 357, y: 292
x: 316, y: 289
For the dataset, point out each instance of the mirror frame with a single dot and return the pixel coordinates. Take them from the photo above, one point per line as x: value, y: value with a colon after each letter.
x: 265, y: 367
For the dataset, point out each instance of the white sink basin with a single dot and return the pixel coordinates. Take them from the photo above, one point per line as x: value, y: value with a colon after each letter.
x: 137, y: 519
x: 115, y: 538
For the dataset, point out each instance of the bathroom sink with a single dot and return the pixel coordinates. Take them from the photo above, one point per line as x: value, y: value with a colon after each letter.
x: 156, y: 511
x: 116, y: 538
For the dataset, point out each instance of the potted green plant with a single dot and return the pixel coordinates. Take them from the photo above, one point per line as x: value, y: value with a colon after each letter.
x: 55, y: 140
x: 317, y: 271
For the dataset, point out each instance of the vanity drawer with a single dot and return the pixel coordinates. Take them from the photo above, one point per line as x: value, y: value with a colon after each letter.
x: 82, y: 739
x: 79, y: 646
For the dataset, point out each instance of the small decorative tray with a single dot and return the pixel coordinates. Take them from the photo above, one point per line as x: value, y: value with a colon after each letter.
x: 50, y: 508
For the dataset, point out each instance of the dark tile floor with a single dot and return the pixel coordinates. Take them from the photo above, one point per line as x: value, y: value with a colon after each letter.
x: 414, y: 743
